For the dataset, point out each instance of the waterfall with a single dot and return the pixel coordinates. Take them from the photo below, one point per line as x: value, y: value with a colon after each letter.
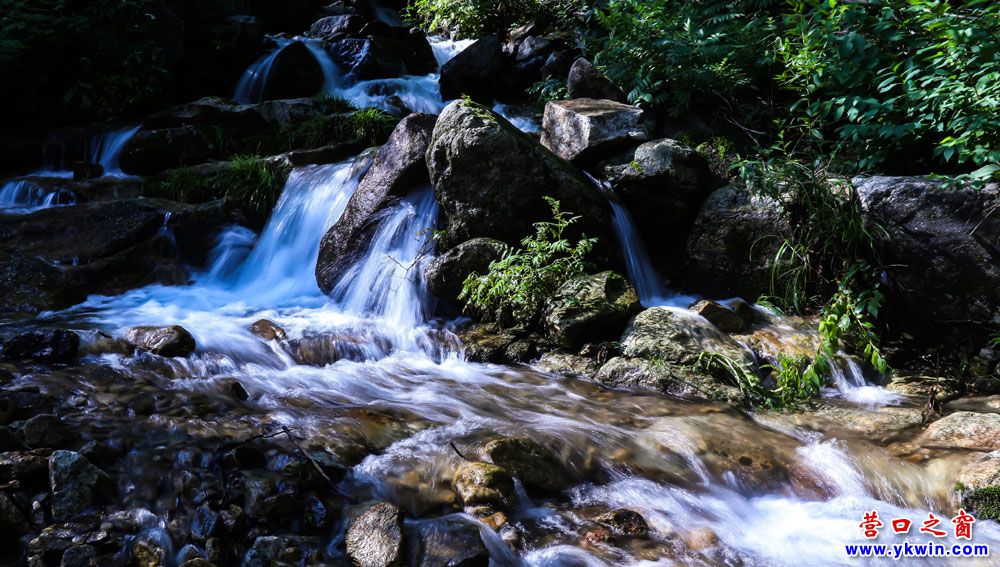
x: 106, y: 149
x: 387, y: 281
x: 638, y: 266
x: 331, y: 73
x: 25, y: 196
x: 250, y: 88
x: 849, y: 381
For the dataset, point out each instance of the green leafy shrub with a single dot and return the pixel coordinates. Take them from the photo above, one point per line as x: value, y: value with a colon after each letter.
x: 739, y: 375
x: 73, y: 60
x: 676, y: 54
x: 795, y: 380
x: 881, y: 83
x: 515, y: 288
x: 549, y: 90
x: 475, y: 18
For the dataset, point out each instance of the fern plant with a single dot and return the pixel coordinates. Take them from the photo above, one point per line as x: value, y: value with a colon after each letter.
x: 514, y: 289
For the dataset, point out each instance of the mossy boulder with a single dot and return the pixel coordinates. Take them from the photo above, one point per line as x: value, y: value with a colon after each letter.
x: 590, y: 308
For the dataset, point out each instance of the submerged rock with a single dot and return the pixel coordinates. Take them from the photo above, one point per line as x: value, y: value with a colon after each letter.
x: 398, y: 166
x: 537, y: 467
x: 76, y: 484
x: 583, y: 129
x: 272, y: 550
x: 47, y: 430
x: 484, y: 484
x: 625, y: 522
x: 490, y: 179
x: 268, y: 330
x: 48, y: 345
x: 375, y: 538
x: 164, y: 341
x: 447, y: 272
x: 978, y: 486
x: 473, y: 71
x: 590, y: 308
x: 585, y: 81
x: 451, y: 541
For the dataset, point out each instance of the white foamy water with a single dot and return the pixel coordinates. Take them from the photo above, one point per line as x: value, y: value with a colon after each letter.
x: 849, y: 381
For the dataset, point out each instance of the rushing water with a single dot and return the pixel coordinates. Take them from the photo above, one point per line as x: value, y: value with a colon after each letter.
x: 397, y: 381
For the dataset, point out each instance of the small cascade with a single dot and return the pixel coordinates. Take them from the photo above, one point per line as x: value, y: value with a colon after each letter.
x: 387, y: 281
x: 331, y: 73
x: 849, y: 381
x: 106, y: 149
x: 25, y: 196
x: 652, y: 291
x: 250, y: 88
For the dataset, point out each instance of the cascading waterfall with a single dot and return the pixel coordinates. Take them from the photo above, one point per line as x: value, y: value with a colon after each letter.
x: 25, y: 196
x: 106, y: 149
x: 638, y: 266
x: 849, y: 381
x: 250, y: 88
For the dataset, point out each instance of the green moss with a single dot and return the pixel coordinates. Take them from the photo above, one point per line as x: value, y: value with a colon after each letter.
x: 371, y: 125
x: 985, y: 502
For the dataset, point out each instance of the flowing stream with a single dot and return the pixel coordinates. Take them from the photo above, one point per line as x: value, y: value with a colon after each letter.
x: 370, y: 368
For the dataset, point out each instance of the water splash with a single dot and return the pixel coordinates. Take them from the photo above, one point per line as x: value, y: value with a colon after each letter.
x: 849, y: 381
x: 25, y: 196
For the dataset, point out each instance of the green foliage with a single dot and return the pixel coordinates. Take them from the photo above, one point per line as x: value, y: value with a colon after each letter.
x: 371, y: 125
x: 549, y: 90
x: 739, y: 375
x: 253, y: 183
x: 795, y: 380
x: 476, y: 18
x: 676, y: 54
x: 984, y: 502
x: 879, y: 81
x: 71, y: 59
x: 515, y: 288
x: 331, y: 104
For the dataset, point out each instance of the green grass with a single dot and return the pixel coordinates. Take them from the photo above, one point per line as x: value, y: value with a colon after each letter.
x: 371, y: 126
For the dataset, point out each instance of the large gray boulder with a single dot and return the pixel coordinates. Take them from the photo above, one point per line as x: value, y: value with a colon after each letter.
x: 398, y: 166
x: 942, y: 254
x: 590, y: 308
x: 490, y: 180
x: 662, y: 183
x: 660, y: 349
x: 584, y: 129
x: 375, y: 538
x: 447, y: 272
x: 733, y: 243
x: 473, y: 71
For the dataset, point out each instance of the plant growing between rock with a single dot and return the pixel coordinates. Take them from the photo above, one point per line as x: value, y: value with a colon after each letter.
x: 515, y: 288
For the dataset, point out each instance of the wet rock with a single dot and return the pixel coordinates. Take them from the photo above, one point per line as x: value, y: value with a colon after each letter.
x: 205, y: 523
x: 583, y: 129
x: 934, y: 231
x: 48, y: 345
x: 51, y: 543
x: 147, y: 554
x: 535, y: 465
x: 12, y: 521
x: 918, y: 386
x: 272, y: 550
x: 490, y: 180
x: 76, y: 484
x: 55, y: 257
x: 964, y: 430
x: 398, y: 166
x: 47, y: 430
x: 636, y: 374
x: 569, y: 364
x: 332, y: 27
x: 787, y: 335
x: 247, y: 457
x: 882, y: 425
x: 733, y: 242
x: 662, y: 183
x: 674, y: 336
x: 585, y: 81
x: 294, y: 73
x: 727, y: 320
x: 375, y: 538
x: 28, y: 468
x: 79, y: 556
x: 10, y: 440
x: 197, y: 562
x: 488, y: 343
x: 153, y: 151
x: 447, y: 272
x: 484, y: 484
x: 164, y: 341
x: 700, y: 539
x: 384, y: 57
x: 985, y: 404
x: 83, y: 171
x: 590, y: 308
x: 451, y: 542
x: 268, y: 330
x: 473, y: 71
x: 625, y: 522
x: 978, y: 486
